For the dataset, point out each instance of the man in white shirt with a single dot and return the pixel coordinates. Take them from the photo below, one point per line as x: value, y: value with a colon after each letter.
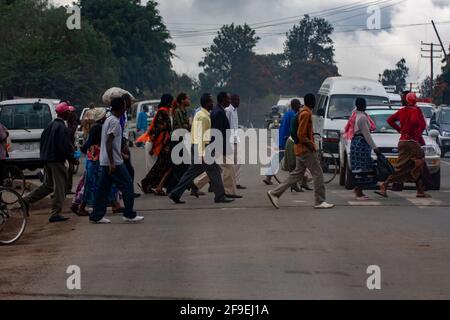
x: 113, y: 168
x: 233, y: 118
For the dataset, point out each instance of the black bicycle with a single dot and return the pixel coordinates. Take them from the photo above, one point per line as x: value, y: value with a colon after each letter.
x: 15, y: 179
x: 13, y: 216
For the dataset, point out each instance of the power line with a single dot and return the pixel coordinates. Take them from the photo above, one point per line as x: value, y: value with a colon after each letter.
x: 288, y: 20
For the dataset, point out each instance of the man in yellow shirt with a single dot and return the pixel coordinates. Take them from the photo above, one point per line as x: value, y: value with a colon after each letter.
x: 201, y: 137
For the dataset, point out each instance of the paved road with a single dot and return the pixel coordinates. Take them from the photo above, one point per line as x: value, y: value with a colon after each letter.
x: 245, y: 250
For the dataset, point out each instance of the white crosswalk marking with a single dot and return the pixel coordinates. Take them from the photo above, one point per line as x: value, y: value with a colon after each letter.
x: 365, y: 203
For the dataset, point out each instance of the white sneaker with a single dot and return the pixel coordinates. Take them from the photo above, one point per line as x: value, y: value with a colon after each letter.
x: 324, y: 205
x: 274, y: 200
x: 137, y: 219
x: 103, y: 221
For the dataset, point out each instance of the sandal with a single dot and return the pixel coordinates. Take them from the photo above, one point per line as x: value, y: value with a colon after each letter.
x: 363, y: 198
x: 268, y: 183
x: 159, y: 193
x: 383, y: 194
x: 424, y: 196
x: 83, y: 213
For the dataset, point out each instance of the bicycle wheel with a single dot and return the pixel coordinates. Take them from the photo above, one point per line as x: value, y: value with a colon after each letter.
x: 13, y: 216
x: 15, y: 179
x: 329, y: 165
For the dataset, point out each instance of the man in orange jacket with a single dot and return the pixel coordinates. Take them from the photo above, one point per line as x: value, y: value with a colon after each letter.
x: 306, y: 154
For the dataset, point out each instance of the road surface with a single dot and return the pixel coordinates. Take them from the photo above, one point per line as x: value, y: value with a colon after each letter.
x: 245, y: 250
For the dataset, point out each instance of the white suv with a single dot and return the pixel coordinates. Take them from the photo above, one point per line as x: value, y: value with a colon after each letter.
x: 25, y: 120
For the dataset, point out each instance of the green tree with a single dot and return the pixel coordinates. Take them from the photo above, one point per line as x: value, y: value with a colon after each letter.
x: 442, y: 89
x: 425, y: 87
x: 140, y: 41
x: 43, y: 58
x: 310, y: 40
x: 396, y: 77
x: 231, y: 50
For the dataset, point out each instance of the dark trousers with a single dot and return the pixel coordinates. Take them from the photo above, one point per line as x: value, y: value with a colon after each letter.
x: 130, y: 168
x: 122, y: 179
x: 55, y: 181
x: 70, y: 173
x: 214, y: 175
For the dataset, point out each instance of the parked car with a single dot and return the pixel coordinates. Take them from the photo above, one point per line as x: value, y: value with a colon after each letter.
x: 26, y: 119
x: 136, y: 109
x: 441, y: 123
x: 336, y: 102
x: 386, y: 138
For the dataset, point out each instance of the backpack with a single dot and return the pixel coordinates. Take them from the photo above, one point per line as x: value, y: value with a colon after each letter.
x: 294, y: 128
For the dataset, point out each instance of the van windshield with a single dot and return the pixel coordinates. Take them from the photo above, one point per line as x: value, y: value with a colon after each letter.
x: 445, y: 117
x: 342, y: 106
x: 25, y: 116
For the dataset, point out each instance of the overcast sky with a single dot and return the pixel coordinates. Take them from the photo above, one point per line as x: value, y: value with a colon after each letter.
x: 363, y: 54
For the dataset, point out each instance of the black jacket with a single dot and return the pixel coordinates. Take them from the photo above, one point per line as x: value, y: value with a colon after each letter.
x: 55, y: 142
x: 219, y: 121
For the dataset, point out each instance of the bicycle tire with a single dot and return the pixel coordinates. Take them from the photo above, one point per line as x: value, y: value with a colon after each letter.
x: 13, y: 216
x: 15, y: 179
x: 329, y: 161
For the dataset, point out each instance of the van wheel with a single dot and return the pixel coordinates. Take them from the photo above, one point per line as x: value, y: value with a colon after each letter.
x: 349, y: 179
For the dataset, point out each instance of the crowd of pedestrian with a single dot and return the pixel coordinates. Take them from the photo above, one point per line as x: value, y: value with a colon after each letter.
x: 109, y: 175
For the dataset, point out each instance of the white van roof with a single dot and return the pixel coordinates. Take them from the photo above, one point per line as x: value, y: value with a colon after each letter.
x: 352, y: 85
x: 50, y: 102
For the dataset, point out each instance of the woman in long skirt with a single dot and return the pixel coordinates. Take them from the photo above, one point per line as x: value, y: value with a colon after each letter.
x: 411, y: 157
x: 160, y: 136
x: 358, y: 130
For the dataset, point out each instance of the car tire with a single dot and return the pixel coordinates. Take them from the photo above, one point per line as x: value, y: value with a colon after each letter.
x: 436, y: 181
x: 349, y: 179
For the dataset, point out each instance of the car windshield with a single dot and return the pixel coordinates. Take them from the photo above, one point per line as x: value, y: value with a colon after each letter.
x: 25, y: 116
x: 342, y: 106
x: 380, y: 118
x: 427, y: 112
x: 445, y: 117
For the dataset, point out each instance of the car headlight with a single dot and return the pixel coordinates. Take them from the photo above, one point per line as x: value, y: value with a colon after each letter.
x: 431, y: 151
x: 332, y: 136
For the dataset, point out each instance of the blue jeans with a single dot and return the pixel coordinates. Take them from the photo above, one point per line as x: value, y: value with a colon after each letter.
x: 121, y: 178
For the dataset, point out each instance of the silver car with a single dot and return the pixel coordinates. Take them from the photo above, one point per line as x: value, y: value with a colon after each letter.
x: 25, y: 120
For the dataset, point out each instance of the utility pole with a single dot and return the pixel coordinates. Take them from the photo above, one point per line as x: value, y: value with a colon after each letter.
x: 432, y: 51
x: 440, y: 42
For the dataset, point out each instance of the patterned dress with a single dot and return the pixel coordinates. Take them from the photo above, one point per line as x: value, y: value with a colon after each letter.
x: 362, y: 163
x: 160, y: 135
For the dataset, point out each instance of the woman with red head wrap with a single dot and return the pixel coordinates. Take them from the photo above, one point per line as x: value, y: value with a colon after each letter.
x: 410, y: 123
